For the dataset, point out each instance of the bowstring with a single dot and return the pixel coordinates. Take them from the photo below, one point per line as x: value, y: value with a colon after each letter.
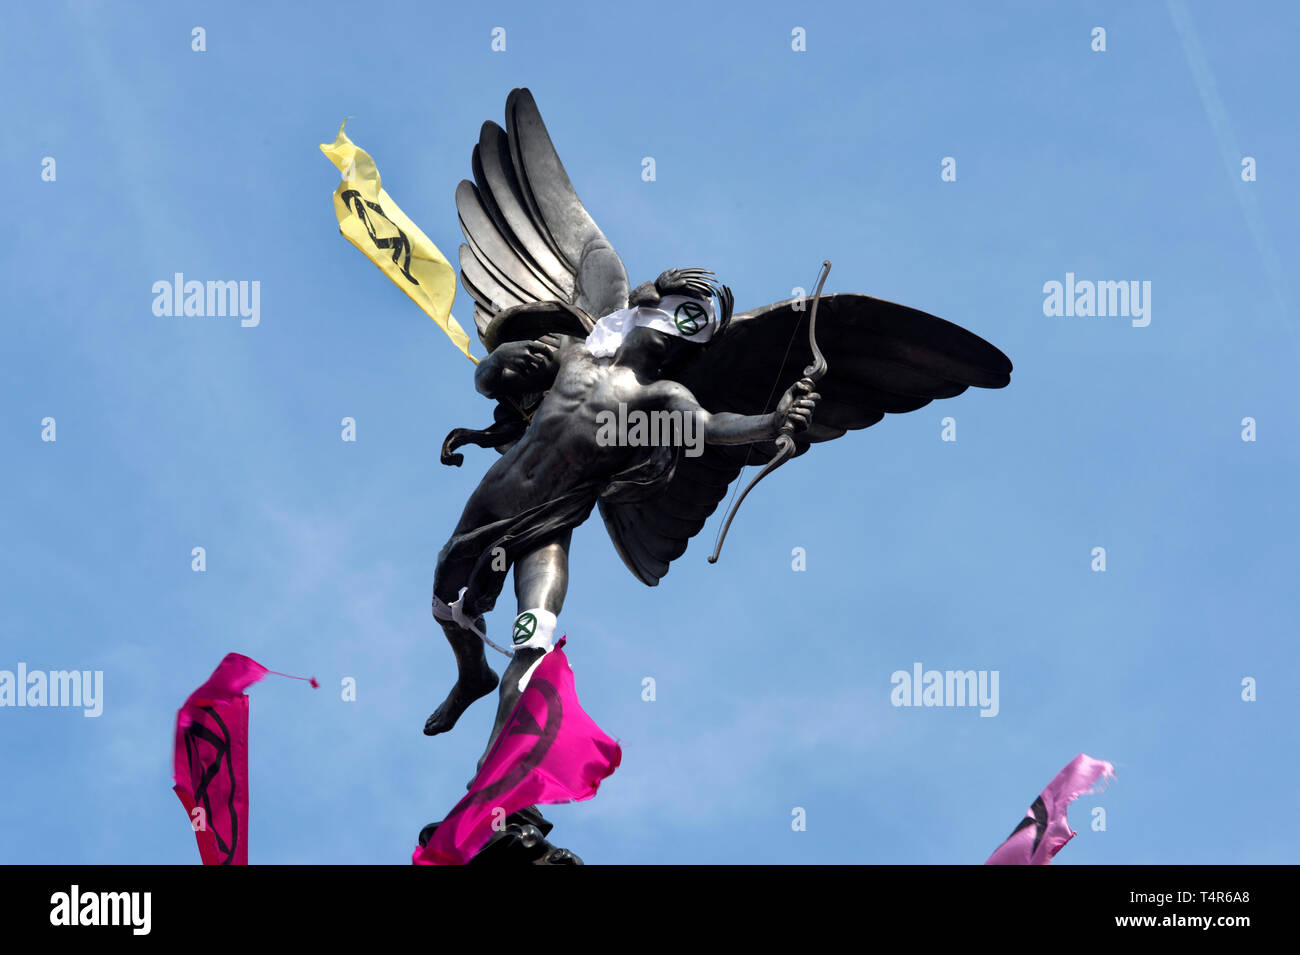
x: 750, y: 449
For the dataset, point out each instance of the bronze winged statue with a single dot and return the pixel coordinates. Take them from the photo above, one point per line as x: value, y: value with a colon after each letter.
x: 571, y: 344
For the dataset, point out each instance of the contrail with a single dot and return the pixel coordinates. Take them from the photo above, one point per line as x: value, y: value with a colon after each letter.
x: 1221, y: 126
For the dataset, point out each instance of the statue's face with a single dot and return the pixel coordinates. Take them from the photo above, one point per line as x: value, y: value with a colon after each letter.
x: 653, y: 343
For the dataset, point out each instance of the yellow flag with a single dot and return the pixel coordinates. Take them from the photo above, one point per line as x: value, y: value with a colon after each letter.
x: 372, y: 221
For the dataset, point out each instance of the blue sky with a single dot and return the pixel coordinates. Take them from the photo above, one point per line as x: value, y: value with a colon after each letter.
x: 772, y: 685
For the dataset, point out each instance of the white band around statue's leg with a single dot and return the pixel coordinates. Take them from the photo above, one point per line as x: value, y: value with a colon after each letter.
x: 534, y: 628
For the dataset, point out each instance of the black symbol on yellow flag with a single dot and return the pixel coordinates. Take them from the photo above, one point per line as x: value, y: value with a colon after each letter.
x: 399, y: 243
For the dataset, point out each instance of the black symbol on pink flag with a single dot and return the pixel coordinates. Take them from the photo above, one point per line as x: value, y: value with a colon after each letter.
x: 211, y: 759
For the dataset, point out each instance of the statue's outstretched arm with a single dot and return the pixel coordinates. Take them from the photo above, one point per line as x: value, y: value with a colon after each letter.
x: 724, y: 427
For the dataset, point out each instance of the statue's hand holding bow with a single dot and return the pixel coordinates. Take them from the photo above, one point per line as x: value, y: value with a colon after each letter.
x: 795, y: 409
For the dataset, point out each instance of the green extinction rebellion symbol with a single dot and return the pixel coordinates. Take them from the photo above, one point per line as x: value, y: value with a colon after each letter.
x: 525, y: 627
x: 690, y: 317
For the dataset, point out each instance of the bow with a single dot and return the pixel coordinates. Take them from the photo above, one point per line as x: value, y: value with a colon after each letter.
x: 785, y: 446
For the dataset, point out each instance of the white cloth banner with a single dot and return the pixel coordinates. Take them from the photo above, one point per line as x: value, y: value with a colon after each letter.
x: 680, y: 315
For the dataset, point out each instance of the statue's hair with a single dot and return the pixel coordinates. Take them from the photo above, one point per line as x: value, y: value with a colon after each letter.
x: 700, y: 284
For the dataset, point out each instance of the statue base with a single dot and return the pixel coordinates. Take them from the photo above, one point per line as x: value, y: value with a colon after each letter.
x: 522, y: 842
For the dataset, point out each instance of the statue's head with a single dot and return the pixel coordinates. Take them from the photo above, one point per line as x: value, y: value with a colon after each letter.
x: 692, y: 284
x: 519, y: 367
x: 669, y: 316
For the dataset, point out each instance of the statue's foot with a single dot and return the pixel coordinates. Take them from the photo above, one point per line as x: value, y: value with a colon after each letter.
x: 467, y: 689
x: 522, y: 842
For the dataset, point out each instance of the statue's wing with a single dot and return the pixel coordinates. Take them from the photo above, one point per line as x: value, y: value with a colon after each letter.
x: 528, y: 238
x: 882, y: 359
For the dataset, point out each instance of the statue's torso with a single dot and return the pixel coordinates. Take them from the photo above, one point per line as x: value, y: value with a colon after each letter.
x: 563, y: 446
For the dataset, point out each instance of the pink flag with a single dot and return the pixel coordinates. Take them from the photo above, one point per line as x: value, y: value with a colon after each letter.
x: 211, y: 759
x: 549, y: 751
x: 1045, y: 829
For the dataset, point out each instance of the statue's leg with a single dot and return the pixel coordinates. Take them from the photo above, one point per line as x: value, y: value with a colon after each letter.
x: 542, y: 577
x: 541, y: 581
x: 474, y: 678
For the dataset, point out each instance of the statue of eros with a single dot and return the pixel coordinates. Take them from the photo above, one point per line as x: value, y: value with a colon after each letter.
x: 578, y: 361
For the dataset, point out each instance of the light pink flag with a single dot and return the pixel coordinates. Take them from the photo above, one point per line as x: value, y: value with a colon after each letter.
x: 549, y: 751
x: 1046, y: 829
x: 211, y: 759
